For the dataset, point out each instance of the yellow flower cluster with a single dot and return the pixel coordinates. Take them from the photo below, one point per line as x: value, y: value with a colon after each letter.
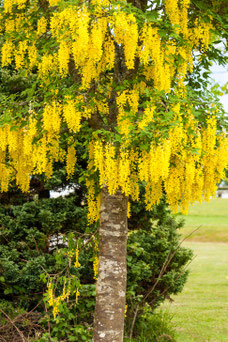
x: 70, y: 161
x: 92, y: 51
x: 8, y: 4
x: 126, y: 33
x: 193, y: 176
x: 158, y: 65
x: 85, y: 43
x: 95, y: 260
x: 55, y: 302
x: 41, y: 26
x: 115, y: 170
x: 125, y: 311
x: 52, y: 119
x: 200, y: 33
x: 77, y: 263
x: 128, y: 209
x: 127, y: 103
x: 50, y: 294
x: 186, y: 176
x: 48, y: 64
x: 100, y: 3
x: 93, y: 202
x: 32, y: 56
x: 12, y: 145
x: 12, y: 48
x: 69, y: 283
x: 73, y: 111
x: 20, y: 157
x: 95, y: 267
x: 173, y: 11
x: 91, y: 40
x: 212, y: 159
x: 77, y: 294
x: 148, y: 115
x: 177, y: 12
x: 184, y: 5
x: 53, y: 2
x: 7, y: 53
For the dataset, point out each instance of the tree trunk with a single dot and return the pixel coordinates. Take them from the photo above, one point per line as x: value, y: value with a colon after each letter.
x: 112, y: 274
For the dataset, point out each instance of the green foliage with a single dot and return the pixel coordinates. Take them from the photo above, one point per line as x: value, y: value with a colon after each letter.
x: 156, y: 261
x: 26, y: 262
x: 16, y: 91
x: 154, y: 327
x: 10, y: 310
x: 24, y: 242
x: 66, y: 326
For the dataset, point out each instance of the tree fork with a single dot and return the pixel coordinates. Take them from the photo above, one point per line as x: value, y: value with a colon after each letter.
x: 112, y: 274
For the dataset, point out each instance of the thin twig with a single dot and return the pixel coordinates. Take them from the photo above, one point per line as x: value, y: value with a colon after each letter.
x: 28, y: 313
x: 2, y: 339
x: 187, y: 236
x: 37, y: 248
x: 163, y: 269
x: 49, y: 325
x: 163, y: 293
x: 10, y: 165
x: 133, y: 321
x: 91, y: 238
x: 167, y: 262
x: 18, y: 330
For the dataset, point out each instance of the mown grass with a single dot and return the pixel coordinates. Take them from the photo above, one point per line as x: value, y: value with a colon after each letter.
x: 211, y: 217
x: 200, y: 312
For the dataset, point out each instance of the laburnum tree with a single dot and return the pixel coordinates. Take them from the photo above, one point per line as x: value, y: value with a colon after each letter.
x: 117, y: 74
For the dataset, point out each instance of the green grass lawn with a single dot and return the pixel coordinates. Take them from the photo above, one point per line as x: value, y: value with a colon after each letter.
x: 200, y: 312
x: 212, y: 217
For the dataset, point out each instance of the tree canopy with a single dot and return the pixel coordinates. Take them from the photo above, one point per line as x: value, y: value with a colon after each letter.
x: 125, y: 81
x: 118, y: 74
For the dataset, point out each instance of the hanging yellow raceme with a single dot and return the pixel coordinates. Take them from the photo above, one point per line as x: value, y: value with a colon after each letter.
x: 70, y: 161
x: 77, y: 263
x: 84, y: 46
x: 7, y: 53
x: 71, y: 115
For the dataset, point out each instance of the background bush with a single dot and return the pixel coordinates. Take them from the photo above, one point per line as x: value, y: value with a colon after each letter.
x: 25, y: 254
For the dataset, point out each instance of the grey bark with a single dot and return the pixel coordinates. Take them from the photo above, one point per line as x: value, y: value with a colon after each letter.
x: 112, y: 273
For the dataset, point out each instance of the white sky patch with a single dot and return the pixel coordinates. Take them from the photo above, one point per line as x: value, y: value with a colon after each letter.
x: 67, y: 190
x: 220, y: 76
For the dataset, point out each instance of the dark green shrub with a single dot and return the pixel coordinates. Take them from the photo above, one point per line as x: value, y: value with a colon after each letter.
x: 25, y: 254
x: 156, y: 261
x: 25, y: 232
x: 153, y: 327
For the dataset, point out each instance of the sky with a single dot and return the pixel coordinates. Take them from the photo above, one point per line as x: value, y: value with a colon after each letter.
x: 220, y: 75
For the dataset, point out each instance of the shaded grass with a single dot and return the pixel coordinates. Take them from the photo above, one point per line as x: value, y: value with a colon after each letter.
x: 200, y: 312
x: 212, y: 217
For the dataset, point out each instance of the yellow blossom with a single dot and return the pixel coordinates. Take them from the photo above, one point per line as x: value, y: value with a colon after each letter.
x: 77, y: 263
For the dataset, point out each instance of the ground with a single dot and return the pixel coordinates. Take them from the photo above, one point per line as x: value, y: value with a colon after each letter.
x: 200, y: 312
